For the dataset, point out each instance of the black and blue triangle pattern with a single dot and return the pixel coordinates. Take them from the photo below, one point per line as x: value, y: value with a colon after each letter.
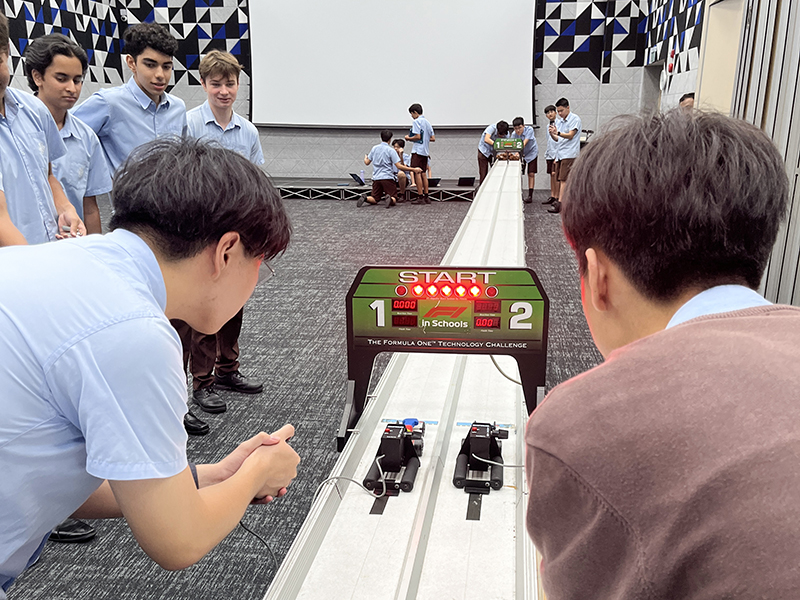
x: 92, y: 24
x: 673, y: 28
x: 590, y: 34
x: 98, y: 25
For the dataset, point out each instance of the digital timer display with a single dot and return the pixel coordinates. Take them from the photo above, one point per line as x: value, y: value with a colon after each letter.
x: 487, y: 306
x: 404, y: 304
x: 487, y: 322
x: 404, y: 320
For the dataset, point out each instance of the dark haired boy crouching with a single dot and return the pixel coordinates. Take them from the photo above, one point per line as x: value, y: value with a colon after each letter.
x: 94, y: 387
x: 671, y: 471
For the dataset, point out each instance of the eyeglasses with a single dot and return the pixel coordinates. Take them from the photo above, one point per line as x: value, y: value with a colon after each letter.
x: 265, y: 272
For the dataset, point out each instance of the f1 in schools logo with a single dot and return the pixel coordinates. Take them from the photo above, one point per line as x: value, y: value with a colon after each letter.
x: 438, y: 316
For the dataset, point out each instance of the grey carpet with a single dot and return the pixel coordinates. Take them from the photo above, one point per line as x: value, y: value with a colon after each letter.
x: 294, y: 339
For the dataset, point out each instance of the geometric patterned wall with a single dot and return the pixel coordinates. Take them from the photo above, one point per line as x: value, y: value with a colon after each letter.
x: 674, y: 32
x: 97, y: 26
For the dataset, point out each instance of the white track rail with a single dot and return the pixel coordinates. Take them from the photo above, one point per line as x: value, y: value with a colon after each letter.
x: 422, y: 546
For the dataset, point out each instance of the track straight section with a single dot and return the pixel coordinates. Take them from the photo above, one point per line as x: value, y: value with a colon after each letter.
x: 422, y: 545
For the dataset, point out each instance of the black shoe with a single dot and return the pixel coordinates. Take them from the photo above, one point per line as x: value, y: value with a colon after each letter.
x: 556, y: 208
x: 392, y: 202
x: 72, y: 531
x: 427, y: 200
x: 417, y: 201
x: 209, y: 400
x: 193, y: 425
x: 550, y: 200
x: 527, y: 200
x: 360, y: 202
x: 238, y: 383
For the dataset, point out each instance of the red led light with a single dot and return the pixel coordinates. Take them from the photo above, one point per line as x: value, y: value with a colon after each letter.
x: 446, y: 290
x: 461, y: 291
x: 491, y: 291
x: 474, y: 291
x: 432, y: 290
x: 418, y: 290
x: 401, y: 290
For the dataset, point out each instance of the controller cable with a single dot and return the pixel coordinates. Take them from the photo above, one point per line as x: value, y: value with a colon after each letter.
x: 358, y: 483
x: 491, y: 462
x: 502, y: 373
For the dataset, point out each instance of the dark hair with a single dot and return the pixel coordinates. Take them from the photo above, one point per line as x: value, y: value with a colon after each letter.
x: 549, y: 108
x: 40, y: 53
x: 697, y: 203
x: 3, y: 34
x: 518, y: 121
x: 399, y: 142
x: 502, y: 127
x: 417, y: 108
x: 184, y: 194
x: 386, y: 135
x: 687, y: 96
x: 141, y: 36
x: 563, y: 102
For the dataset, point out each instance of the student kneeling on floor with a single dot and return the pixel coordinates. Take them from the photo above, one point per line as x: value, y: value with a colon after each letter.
x: 671, y: 470
x: 94, y: 391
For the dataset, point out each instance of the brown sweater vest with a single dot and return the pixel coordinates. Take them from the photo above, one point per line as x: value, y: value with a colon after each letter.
x: 673, y: 469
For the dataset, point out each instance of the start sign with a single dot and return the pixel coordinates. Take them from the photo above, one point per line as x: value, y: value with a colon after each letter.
x: 440, y: 309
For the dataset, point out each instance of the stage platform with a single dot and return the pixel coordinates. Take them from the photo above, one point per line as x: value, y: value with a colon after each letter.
x: 310, y: 188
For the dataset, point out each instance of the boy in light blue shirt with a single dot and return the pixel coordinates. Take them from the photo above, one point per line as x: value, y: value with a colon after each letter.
x: 55, y: 67
x: 567, y: 132
x: 550, y: 154
x: 422, y: 135
x: 214, y: 359
x: 129, y: 115
x: 29, y: 142
x: 486, y: 147
x: 385, y: 163
x: 530, y: 153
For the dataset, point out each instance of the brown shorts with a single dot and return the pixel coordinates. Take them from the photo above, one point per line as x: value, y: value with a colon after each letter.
x: 564, y: 167
x: 551, y: 167
x: 530, y: 166
x: 417, y: 160
x: 384, y: 186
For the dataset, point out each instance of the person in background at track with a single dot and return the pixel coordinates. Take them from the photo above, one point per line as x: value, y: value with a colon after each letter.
x: 530, y: 153
x: 486, y: 147
x: 567, y: 131
x: 403, y: 180
x: 671, y: 470
x: 385, y: 165
x: 422, y: 135
x: 687, y: 101
x: 55, y: 67
x: 550, y: 155
x: 37, y: 208
x: 94, y: 390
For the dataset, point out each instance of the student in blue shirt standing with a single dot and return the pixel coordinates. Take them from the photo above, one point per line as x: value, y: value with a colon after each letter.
x: 385, y: 164
x: 55, y: 67
x: 29, y: 142
x: 422, y: 135
x: 567, y: 132
x: 550, y: 155
x: 214, y: 359
x: 486, y: 147
x: 530, y: 153
x: 129, y: 115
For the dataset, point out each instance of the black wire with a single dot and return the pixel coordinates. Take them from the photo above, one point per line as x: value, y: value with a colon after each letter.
x: 262, y: 540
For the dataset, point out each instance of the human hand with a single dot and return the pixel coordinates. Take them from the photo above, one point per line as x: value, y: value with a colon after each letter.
x: 278, y: 466
x: 551, y: 128
x: 70, y: 224
x: 417, y: 170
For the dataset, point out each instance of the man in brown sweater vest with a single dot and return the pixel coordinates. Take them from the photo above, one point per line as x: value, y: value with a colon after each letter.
x: 672, y: 470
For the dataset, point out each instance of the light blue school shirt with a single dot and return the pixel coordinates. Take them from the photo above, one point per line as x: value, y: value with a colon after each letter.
x: 83, y: 170
x: 551, y: 150
x: 92, y: 382
x: 531, y: 149
x: 240, y: 135
x: 29, y: 141
x: 124, y: 118
x: 383, y: 158
x: 485, y: 148
x: 420, y: 125
x: 568, y: 148
x: 718, y: 299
